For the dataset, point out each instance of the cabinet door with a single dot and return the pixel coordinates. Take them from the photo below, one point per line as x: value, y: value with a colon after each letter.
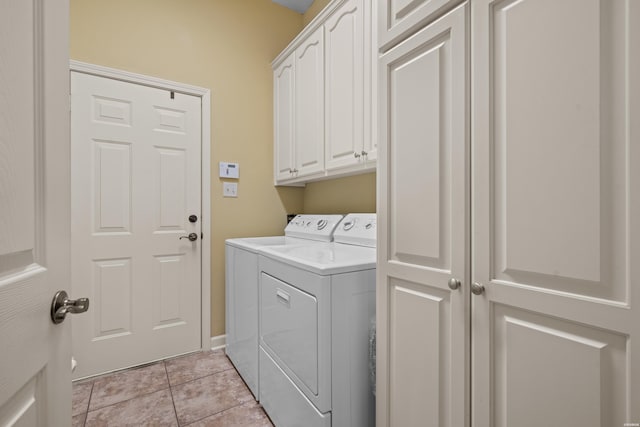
x: 309, y: 118
x: 556, y: 333
x: 423, y: 330
x: 284, y: 113
x: 345, y: 84
x: 399, y: 18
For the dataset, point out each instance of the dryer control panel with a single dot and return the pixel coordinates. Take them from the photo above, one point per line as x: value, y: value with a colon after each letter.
x: 357, y: 229
x: 313, y: 227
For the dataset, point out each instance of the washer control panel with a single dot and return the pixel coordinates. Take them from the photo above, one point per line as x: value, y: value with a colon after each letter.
x: 313, y: 227
x: 357, y: 229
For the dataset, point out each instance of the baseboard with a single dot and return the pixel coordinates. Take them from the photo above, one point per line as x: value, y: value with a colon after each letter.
x: 218, y: 342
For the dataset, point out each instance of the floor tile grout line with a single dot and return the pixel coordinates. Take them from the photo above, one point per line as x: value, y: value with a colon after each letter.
x: 204, y: 376
x: 173, y: 402
x: 86, y: 414
x: 131, y: 398
x: 215, y: 413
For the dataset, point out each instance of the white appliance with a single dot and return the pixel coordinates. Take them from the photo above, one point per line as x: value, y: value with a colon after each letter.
x: 241, y: 299
x: 316, y: 306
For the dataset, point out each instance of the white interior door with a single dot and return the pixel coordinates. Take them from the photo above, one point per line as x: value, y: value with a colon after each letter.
x: 422, y: 297
x: 136, y: 178
x: 556, y: 202
x: 35, y: 361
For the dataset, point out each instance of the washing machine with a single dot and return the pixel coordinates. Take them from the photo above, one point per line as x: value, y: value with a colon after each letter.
x: 241, y: 287
x: 316, y: 306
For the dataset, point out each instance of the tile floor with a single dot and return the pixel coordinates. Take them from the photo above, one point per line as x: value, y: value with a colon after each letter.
x: 200, y: 390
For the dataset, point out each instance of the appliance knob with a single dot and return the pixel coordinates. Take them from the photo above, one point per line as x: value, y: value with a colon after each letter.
x: 322, y: 224
x: 349, y: 225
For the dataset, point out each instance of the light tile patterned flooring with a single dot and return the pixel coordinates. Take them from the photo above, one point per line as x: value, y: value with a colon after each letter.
x: 198, y: 390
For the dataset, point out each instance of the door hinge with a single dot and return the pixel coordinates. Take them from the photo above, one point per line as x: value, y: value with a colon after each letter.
x: 173, y: 95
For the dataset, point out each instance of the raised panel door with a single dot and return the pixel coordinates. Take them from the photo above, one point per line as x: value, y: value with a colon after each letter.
x: 556, y: 213
x: 345, y: 85
x: 35, y: 377
x: 423, y: 364
x: 309, y: 102
x: 135, y: 182
x: 284, y: 115
x: 397, y: 19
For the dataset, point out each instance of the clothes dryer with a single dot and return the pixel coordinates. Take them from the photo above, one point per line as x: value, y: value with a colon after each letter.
x: 316, y: 306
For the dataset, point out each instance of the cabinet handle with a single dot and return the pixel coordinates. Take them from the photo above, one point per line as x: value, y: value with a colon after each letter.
x: 364, y: 153
x: 356, y: 155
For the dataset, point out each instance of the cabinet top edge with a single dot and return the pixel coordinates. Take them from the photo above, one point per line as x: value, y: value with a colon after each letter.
x: 307, y: 31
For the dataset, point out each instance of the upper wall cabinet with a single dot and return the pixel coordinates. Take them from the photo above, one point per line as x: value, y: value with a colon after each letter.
x: 323, y: 97
x: 399, y: 18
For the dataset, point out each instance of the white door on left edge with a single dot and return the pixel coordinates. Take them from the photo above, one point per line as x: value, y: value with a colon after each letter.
x: 135, y: 183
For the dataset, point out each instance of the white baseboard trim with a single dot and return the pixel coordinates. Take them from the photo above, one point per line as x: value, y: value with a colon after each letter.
x: 218, y: 342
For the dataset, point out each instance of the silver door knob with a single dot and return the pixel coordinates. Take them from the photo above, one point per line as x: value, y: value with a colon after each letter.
x: 192, y: 237
x: 61, y: 305
x: 454, y: 284
x: 477, y: 288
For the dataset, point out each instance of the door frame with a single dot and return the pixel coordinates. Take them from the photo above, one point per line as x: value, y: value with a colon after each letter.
x: 205, y: 140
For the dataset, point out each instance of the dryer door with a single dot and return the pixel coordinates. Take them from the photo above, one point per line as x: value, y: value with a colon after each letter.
x: 289, y: 330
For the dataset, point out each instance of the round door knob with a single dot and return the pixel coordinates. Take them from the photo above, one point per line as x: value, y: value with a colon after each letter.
x: 477, y: 288
x: 193, y: 218
x: 192, y: 237
x: 454, y: 283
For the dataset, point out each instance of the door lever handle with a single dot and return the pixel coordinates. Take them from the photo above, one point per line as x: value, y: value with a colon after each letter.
x: 192, y: 237
x: 61, y: 305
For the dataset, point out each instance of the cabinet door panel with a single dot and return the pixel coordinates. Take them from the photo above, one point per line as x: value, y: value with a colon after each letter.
x: 555, y: 207
x: 345, y: 82
x: 399, y: 18
x: 284, y: 113
x: 423, y: 243
x: 309, y: 101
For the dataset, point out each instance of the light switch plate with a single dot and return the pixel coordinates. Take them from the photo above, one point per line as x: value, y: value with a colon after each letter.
x: 230, y: 189
x: 229, y: 170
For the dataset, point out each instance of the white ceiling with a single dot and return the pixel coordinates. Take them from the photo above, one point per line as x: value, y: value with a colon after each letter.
x: 299, y: 6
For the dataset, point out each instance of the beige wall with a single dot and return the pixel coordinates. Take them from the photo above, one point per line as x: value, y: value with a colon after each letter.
x: 315, y: 8
x: 226, y: 46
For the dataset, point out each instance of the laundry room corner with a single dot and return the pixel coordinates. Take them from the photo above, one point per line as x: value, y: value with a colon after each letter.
x: 224, y: 46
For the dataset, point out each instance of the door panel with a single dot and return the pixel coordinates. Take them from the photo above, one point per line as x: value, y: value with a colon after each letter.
x: 399, y: 18
x: 534, y: 351
x: 35, y: 380
x: 136, y: 180
x: 344, y: 109
x: 422, y: 323
x: 309, y: 102
x: 284, y: 116
x: 554, y: 207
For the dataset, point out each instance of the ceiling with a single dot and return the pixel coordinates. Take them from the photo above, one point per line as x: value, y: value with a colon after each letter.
x: 299, y: 6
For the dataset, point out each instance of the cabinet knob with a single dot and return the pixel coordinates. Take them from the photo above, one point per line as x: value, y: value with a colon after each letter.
x: 477, y: 288
x: 356, y: 155
x: 454, y: 284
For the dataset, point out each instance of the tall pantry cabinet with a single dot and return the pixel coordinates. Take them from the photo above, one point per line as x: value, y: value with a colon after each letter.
x: 509, y: 213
